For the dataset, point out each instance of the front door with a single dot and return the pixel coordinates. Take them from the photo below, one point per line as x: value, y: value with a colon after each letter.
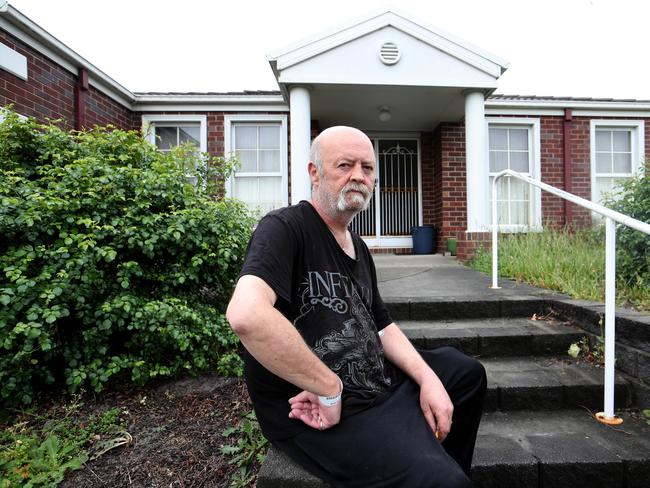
x: 395, y: 207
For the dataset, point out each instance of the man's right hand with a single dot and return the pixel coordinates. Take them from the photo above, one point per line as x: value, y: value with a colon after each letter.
x: 306, y: 407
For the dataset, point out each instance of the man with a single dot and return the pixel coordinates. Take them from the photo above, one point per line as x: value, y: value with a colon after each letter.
x: 334, y: 382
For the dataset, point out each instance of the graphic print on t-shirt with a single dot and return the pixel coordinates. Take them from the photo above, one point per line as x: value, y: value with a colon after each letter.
x: 351, y: 347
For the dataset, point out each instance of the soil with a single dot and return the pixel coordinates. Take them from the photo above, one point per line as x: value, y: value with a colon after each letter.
x: 176, y: 430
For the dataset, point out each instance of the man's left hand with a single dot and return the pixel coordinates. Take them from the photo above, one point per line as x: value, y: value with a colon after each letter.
x: 306, y: 407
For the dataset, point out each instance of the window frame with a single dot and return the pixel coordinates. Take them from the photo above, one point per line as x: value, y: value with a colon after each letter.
x: 259, y: 119
x: 533, y: 126
x: 149, y: 121
x: 637, y: 146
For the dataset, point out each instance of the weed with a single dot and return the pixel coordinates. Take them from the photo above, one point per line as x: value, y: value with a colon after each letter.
x: 568, y: 262
x: 592, y: 351
x: 37, y: 450
x: 250, y: 446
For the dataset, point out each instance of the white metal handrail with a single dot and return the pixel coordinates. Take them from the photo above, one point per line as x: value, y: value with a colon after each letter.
x: 611, y: 216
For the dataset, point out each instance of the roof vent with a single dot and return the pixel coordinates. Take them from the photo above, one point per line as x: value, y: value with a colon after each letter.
x: 389, y: 53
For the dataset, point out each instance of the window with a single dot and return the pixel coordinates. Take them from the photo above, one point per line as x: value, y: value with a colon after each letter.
x: 169, y: 131
x: 514, y: 144
x: 616, y: 154
x: 259, y: 143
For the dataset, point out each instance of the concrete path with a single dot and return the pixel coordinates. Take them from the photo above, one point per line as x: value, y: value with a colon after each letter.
x: 437, y: 276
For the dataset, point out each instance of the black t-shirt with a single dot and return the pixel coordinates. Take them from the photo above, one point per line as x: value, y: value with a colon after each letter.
x: 334, y: 303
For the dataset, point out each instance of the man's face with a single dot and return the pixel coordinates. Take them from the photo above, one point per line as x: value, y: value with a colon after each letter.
x: 348, y: 177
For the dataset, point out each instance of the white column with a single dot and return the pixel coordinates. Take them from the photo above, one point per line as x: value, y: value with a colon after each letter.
x: 300, y: 123
x: 477, y: 165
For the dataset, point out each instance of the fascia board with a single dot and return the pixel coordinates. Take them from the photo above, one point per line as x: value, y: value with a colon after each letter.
x: 326, y: 34
x: 21, y: 27
x: 443, y: 34
x: 213, y: 99
x: 524, y: 111
x: 453, y: 46
x: 561, y: 104
x: 159, y: 107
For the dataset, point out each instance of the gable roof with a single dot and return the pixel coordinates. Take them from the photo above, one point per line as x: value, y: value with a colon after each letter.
x: 289, y: 56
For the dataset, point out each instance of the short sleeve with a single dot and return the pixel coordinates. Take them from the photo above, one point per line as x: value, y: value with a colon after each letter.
x: 271, y: 255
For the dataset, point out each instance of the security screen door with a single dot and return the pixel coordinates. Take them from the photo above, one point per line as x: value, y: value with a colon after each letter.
x: 395, y: 206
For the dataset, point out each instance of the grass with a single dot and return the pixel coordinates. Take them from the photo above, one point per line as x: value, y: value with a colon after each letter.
x: 36, y: 450
x: 568, y: 262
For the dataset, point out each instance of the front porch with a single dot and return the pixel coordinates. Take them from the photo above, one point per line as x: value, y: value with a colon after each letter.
x: 419, y: 94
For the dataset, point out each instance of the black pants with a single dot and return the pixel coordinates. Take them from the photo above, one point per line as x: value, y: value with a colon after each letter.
x: 391, y: 444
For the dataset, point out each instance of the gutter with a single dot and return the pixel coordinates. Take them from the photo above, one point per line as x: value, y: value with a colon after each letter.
x: 572, y: 104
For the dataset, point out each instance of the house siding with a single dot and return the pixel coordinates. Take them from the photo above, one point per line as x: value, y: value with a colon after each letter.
x: 49, y: 92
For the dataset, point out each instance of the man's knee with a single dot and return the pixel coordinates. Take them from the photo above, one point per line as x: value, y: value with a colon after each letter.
x: 467, y: 367
x: 476, y: 371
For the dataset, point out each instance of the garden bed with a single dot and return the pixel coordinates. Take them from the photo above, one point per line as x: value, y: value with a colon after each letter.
x: 176, y: 429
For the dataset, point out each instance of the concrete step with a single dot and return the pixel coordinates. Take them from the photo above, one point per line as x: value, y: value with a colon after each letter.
x: 464, y: 307
x: 543, y: 383
x: 489, y: 337
x: 560, y: 449
x: 566, y: 448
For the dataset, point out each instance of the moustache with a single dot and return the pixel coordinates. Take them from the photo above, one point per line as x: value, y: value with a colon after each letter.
x: 359, y: 187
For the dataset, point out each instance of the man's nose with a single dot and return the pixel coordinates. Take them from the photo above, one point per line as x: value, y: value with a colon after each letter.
x: 357, y: 173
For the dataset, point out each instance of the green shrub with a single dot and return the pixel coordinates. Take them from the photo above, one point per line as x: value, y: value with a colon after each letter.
x: 113, y: 265
x: 632, y: 246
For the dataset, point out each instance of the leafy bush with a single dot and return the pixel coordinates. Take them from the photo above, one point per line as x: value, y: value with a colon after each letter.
x: 113, y: 265
x: 633, y: 247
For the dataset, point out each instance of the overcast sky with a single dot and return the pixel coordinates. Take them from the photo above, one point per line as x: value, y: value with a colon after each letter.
x: 581, y: 48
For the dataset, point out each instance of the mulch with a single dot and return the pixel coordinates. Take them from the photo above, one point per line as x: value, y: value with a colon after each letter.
x: 176, y: 429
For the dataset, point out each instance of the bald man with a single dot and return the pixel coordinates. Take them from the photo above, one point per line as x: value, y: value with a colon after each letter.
x: 334, y: 382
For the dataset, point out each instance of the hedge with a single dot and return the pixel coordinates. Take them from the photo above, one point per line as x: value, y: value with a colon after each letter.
x: 116, y: 263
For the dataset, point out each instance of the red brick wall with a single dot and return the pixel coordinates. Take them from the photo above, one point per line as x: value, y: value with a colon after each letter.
x: 49, y: 92
x: 103, y: 110
x: 453, y: 183
x: 552, y: 168
x: 580, y: 169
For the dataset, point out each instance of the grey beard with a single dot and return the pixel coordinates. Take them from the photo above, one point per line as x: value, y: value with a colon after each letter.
x: 359, y: 202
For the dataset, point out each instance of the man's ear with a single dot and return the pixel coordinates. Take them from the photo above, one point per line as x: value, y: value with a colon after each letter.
x: 314, y: 175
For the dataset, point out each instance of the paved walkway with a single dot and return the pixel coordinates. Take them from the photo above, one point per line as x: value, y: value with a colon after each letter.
x: 437, y: 276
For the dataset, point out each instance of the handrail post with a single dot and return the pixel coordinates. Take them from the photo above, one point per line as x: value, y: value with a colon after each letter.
x: 610, y: 327
x: 495, y: 253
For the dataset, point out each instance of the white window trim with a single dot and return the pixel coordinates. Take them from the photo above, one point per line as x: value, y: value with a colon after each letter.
x: 534, y: 125
x: 149, y: 120
x: 637, y: 145
x: 229, y: 120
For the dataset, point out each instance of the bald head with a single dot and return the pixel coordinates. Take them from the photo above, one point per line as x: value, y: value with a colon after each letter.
x: 342, y: 172
x: 337, y: 135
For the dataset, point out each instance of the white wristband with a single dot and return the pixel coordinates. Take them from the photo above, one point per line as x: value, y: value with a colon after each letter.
x: 332, y: 400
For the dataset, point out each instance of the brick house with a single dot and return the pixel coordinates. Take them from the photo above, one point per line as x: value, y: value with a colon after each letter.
x: 424, y: 97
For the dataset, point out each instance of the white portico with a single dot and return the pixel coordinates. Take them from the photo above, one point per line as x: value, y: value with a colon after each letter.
x: 396, y: 80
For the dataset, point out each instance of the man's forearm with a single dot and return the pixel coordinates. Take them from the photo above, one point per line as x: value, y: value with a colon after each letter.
x: 401, y: 353
x: 273, y: 341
